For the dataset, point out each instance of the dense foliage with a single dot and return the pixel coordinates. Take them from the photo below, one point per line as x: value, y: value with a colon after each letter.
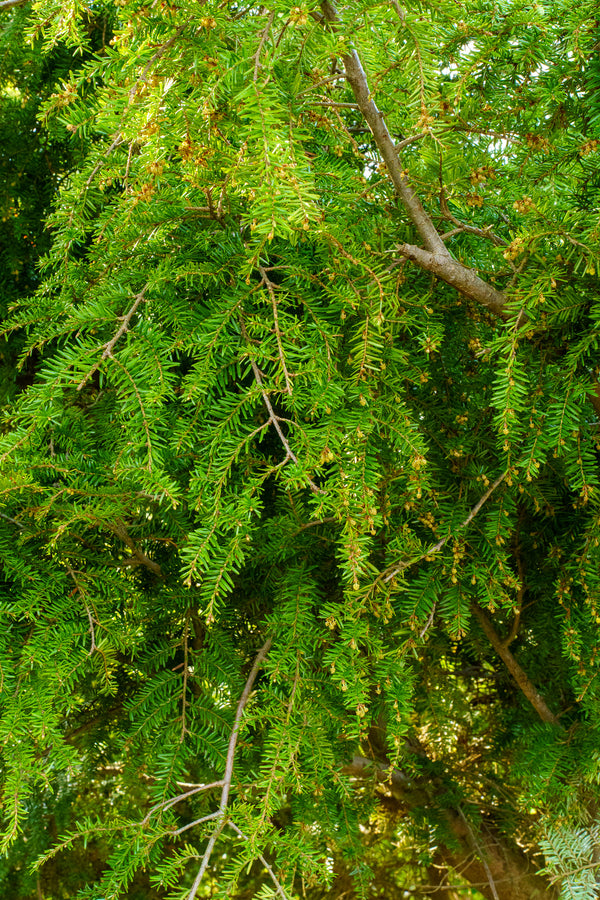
x: 300, y: 494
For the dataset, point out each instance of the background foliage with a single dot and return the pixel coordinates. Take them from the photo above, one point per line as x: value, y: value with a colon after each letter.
x: 299, y: 544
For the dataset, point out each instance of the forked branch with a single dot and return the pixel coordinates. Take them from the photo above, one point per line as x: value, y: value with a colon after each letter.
x: 273, y: 877
x: 435, y: 257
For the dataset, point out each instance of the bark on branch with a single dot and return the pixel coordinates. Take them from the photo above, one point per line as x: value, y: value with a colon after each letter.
x: 521, y: 677
x: 435, y: 257
x: 458, y: 276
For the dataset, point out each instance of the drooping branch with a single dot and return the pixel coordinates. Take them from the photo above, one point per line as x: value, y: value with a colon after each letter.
x: 261, y: 44
x: 278, y: 888
x: 275, y: 419
x: 397, y: 567
x: 79, y: 590
x: 521, y: 677
x: 271, y: 290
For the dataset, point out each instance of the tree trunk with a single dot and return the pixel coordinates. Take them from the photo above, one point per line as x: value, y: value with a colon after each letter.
x: 490, y: 861
x: 496, y: 866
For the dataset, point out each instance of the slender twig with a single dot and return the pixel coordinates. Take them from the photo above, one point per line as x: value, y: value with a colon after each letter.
x: 271, y: 289
x: 324, y: 101
x: 400, y: 12
x: 210, y: 817
x: 565, y: 874
x: 9, y: 519
x: 514, y: 628
x: 274, y: 878
x: 185, y: 679
x: 220, y: 814
x: 79, y: 590
x: 118, y: 135
x: 318, y: 84
x: 167, y: 804
x: 110, y: 345
x: 396, y: 568
x: 138, y: 397
x: 262, y: 43
x: 411, y: 140
x: 273, y: 418
x: 427, y: 625
x: 464, y: 227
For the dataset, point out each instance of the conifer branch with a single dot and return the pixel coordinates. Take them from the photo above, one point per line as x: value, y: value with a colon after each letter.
x: 118, y: 135
x: 357, y: 79
x: 14, y: 521
x: 458, y: 276
x: 11, y: 4
x: 78, y: 589
x: 167, y: 804
x: 396, y: 568
x: 209, y: 818
x: 463, y: 226
x: 123, y: 329
x: 519, y: 675
x: 262, y: 43
x: 230, y: 759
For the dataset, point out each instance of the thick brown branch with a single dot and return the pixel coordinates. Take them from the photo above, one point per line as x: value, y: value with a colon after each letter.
x: 435, y: 257
x: 488, y: 860
x: 463, y: 279
x: 357, y: 79
x: 10, y: 4
x: 121, y: 532
x: 521, y: 677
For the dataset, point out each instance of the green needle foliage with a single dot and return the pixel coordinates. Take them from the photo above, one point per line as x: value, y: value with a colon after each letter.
x: 299, y: 483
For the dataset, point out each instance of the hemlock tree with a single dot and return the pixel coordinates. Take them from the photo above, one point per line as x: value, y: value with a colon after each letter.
x: 300, y: 487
